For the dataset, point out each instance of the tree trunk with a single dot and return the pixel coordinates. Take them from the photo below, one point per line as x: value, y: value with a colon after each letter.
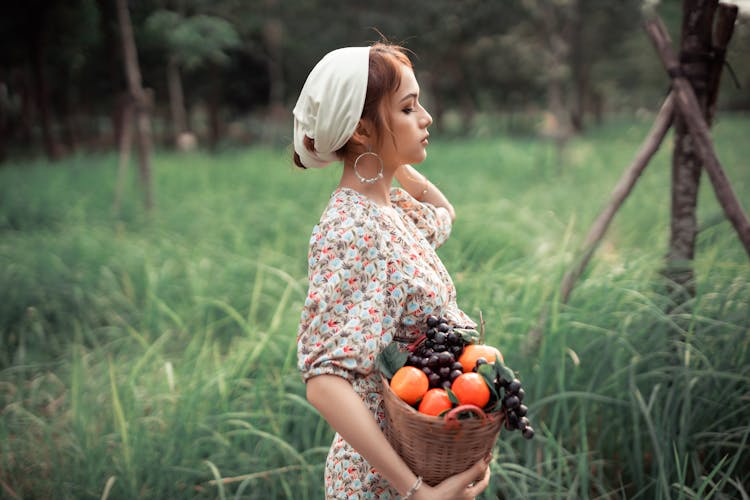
x: 41, y: 94
x: 109, y: 37
x: 21, y: 79
x: 697, y: 18
x: 273, y: 34
x: 580, y: 70
x: 558, y: 51
x: 214, y: 109
x: 141, y: 99
x: 176, y: 100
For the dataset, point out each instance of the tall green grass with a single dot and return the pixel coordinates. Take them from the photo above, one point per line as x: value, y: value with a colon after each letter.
x: 153, y: 355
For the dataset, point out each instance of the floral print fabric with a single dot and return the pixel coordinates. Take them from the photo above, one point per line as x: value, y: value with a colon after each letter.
x: 374, y: 276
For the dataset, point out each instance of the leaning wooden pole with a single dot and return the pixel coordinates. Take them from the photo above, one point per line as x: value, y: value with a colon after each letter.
x: 621, y: 191
x: 726, y: 16
x: 688, y: 106
x: 619, y: 194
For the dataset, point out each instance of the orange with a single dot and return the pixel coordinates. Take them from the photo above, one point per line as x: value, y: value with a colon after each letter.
x: 471, y: 389
x: 473, y: 352
x: 435, y: 402
x: 410, y: 383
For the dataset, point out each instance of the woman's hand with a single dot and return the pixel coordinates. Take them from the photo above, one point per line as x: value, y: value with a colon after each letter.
x: 422, y: 189
x: 463, y: 486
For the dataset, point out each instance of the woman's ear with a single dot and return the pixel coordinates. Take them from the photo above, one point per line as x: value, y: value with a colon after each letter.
x: 363, y: 134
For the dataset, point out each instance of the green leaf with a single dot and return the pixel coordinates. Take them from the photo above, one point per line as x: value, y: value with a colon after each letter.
x: 502, y: 370
x: 489, y: 373
x: 452, y: 397
x: 391, y: 359
x: 468, y: 335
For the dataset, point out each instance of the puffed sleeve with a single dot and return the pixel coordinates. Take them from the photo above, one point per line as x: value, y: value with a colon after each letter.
x: 433, y: 222
x: 349, y: 314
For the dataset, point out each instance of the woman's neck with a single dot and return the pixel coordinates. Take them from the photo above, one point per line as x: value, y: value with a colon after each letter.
x: 379, y: 191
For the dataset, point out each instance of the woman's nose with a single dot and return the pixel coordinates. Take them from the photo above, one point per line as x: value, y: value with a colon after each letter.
x: 427, y: 119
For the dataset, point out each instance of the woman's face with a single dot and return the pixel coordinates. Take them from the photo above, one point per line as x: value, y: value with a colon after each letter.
x: 408, y: 121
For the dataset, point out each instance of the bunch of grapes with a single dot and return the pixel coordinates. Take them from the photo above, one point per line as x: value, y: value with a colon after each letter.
x: 437, y: 354
x: 515, y: 410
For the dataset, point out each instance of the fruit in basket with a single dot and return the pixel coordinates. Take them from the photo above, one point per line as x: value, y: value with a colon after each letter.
x: 435, y: 402
x: 471, y: 388
x: 436, y: 352
x: 410, y: 383
x: 472, y: 353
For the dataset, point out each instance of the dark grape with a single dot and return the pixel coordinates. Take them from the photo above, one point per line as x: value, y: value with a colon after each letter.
x: 457, y: 366
x: 440, y: 338
x: 431, y: 333
x: 427, y: 371
x: 523, y: 422
x: 514, y: 385
x: 520, y: 393
x: 445, y: 371
x: 513, y: 419
x: 424, y: 362
x: 528, y: 432
x: 433, y: 361
x: 522, y: 410
x: 480, y: 362
x: 444, y: 327
x: 446, y: 359
x: 434, y: 380
x: 432, y: 321
x: 455, y: 374
x: 446, y: 384
x: 452, y: 338
x: 439, y: 347
x: 511, y: 402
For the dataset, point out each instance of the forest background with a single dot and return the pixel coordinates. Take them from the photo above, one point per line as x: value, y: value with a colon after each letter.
x: 228, y: 71
x: 149, y: 351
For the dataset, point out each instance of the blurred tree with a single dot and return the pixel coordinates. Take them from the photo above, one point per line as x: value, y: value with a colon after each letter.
x: 139, y: 108
x: 189, y: 42
x: 43, y: 59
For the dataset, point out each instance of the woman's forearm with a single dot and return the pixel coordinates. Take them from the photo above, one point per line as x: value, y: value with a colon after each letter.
x: 340, y: 405
x: 420, y: 187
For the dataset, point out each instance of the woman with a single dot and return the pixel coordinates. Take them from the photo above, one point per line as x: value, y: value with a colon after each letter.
x: 374, y: 275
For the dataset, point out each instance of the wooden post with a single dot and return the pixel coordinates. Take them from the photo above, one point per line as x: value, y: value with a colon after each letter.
x: 695, y: 50
x: 691, y: 111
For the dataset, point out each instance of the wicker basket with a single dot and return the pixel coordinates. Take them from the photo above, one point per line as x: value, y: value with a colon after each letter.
x: 437, y: 447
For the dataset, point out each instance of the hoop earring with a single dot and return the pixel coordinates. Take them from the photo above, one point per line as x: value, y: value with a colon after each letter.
x: 370, y: 180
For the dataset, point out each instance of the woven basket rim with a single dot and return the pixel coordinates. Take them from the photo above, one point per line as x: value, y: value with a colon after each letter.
x: 404, y: 406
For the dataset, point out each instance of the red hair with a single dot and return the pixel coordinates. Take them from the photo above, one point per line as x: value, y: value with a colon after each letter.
x: 383, y: 79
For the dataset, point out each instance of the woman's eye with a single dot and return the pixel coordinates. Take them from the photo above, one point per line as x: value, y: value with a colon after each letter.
x: 408, y: 110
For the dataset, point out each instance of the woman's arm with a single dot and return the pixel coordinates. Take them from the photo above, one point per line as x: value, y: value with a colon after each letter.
x: 420, y: 187
x: 340, y: 405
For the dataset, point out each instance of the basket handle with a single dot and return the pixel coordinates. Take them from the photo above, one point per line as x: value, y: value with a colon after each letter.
x: 451, y: 418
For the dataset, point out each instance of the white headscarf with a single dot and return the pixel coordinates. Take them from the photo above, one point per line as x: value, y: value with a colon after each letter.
x: 330, y: 104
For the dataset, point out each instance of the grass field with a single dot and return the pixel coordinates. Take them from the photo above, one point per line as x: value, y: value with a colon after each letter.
x: 153, y: 356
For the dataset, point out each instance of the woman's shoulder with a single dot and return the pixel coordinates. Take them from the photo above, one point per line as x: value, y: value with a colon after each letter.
x: 347, y: 212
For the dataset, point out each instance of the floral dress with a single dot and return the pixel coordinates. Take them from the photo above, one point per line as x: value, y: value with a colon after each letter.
x: 374, y: 276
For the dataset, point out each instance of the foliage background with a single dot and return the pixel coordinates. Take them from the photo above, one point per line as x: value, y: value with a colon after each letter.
x: 151, y: 354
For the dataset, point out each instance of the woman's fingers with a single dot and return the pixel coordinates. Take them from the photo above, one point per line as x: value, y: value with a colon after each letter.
x: 479, y: 486
x: 475, y: 477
